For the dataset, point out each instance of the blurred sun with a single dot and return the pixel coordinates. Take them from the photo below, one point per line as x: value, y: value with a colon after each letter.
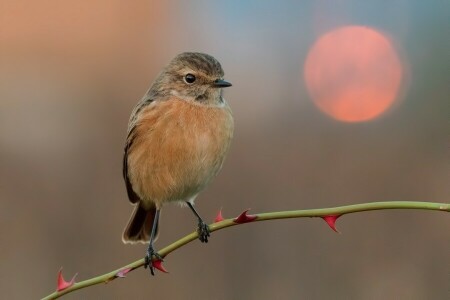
x: 353, y: 73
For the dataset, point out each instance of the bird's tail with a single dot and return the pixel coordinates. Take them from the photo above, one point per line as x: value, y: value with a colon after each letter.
x: 140, y: 225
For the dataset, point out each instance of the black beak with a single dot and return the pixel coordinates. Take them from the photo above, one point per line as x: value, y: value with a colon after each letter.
x: 220, y: 83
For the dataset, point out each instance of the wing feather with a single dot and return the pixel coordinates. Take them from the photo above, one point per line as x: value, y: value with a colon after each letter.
x: 132, y: 196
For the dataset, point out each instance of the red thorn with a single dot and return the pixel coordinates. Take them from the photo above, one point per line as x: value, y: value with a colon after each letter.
x: 62, y: 284
x: 219, y: 217
x: 158, y: 265
x: 331, y: 221
x: 123, y: 273
x: 244, y: 217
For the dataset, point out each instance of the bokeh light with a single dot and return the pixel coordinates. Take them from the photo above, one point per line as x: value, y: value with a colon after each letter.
x: 353, y: 73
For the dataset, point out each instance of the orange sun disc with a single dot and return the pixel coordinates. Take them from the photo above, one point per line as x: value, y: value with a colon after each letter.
x: 353, y: 73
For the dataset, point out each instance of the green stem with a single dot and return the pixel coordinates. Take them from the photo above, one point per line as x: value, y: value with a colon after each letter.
x: 341, y: 210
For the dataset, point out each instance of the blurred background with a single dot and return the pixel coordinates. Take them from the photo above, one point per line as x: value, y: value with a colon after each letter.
x: 335, y: 103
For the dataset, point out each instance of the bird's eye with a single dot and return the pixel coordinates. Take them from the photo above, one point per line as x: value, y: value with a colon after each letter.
x: 189, y: 78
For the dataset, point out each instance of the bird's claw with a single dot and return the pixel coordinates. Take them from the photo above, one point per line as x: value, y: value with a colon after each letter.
x: 203, y: 232
x: 148, y: 260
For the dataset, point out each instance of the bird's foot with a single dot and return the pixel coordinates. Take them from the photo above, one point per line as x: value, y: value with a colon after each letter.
x: 203, y: 232
x: 149, y: 259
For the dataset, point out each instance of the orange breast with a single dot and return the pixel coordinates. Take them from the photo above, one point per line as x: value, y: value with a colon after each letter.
x: 178, y: 147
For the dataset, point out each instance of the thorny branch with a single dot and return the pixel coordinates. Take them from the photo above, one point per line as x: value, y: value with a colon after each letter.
x: 330, y: 215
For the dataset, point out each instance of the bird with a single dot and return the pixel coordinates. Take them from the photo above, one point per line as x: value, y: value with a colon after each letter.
x: 178, y: 136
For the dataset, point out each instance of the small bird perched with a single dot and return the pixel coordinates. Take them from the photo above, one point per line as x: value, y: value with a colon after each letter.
x: 178, y: 137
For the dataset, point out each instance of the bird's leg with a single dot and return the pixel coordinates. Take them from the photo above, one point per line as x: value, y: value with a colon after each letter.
x: 150, y: 251
x: 203, y: 229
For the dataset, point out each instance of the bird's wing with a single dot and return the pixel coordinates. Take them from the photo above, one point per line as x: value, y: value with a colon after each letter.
x: 132, y: 196
x: 132, y: 124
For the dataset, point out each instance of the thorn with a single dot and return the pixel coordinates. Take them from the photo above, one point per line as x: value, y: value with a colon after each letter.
x: 331, y: 221
x: 244, y: 217
x: 123, y: 273
x: 158, y: 265
x: 62, y: 284
x: 219, y: 217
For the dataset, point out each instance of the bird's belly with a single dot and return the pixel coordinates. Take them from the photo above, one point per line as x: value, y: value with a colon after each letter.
x: 181, y: 155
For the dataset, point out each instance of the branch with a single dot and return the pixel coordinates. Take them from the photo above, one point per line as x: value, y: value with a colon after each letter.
x: 328, y: 214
